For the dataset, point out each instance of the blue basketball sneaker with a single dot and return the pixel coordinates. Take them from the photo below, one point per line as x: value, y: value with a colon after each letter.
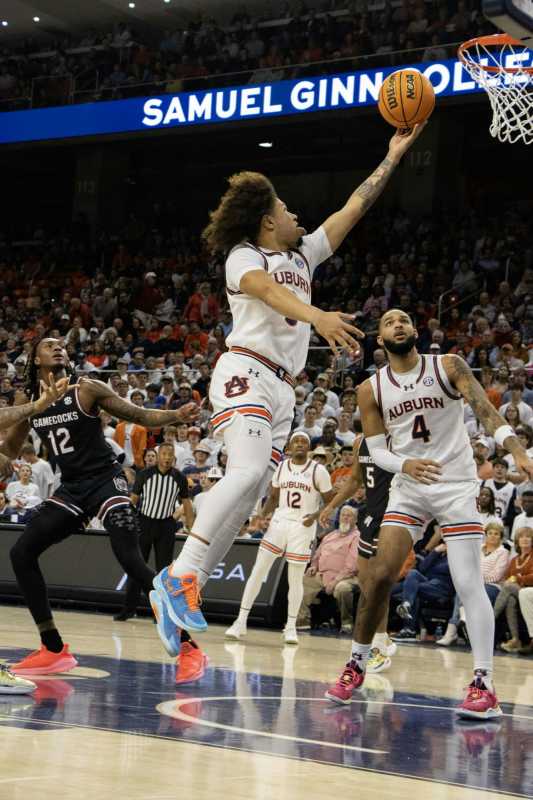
x: 181, y: 597
x: 169, y: 634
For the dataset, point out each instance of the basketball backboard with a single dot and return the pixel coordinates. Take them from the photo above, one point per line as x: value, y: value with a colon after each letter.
x: 515, y: 17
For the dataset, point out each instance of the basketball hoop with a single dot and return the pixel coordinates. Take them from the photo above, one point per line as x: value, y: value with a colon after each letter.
x: 503, y: 67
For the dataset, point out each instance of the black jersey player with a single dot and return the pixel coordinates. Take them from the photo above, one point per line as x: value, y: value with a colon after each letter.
x: 376, y: 482
x: 93, y: 484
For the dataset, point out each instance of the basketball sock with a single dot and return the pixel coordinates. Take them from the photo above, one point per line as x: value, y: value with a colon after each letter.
x: 464, y: 558
x: 248, y: 460
x: 262, y: 566
x: 50, y: 637
x: 296, y: 592
x: 360, y: 654
x: 380, y: 641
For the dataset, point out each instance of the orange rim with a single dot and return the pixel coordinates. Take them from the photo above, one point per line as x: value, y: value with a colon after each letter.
x: 497, y: 39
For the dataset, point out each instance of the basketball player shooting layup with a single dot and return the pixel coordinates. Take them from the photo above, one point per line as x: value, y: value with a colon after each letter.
x: 418, y: 400
x: 298, y: 485
x: 93, y: 483
x: 269, y: 268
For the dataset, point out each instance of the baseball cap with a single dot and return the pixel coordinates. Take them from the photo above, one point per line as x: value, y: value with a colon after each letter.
x: 482, y: 440
x: 202, y: 448
x: 322, y: 377
x: 215, y: 473
x: 319, y: 451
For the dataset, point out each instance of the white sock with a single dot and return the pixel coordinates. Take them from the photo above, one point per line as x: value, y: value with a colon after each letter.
x: 296, y: 592
x: 262, y: 566
x: 464, y: 558
x: 487, y: 679
x: 360, y: 654
x: 380, y: 641
x: 248, y: 459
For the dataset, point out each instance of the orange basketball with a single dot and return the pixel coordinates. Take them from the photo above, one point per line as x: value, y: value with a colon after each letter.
x: 405, y: 98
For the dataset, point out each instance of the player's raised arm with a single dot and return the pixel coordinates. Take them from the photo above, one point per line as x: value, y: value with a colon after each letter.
x: 94, y: 392
x: 462, y: 378
x: 339, y: 225
x: 423, y: 470
x: 334, y: 326
x: 50, y: 393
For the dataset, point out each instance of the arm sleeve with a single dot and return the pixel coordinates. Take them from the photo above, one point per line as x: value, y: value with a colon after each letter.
x: 184, y: 487
x: 316, y: 248
x: 382, y: 456
x: 139, y: 483
x: 239, y: 262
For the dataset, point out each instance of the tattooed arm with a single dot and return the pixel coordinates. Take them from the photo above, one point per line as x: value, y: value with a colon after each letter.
x: 339, y: 225
x: 95, y: 394
x: 461, y: 377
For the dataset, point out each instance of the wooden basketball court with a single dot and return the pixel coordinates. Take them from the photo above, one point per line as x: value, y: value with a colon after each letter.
x: 257, y: 725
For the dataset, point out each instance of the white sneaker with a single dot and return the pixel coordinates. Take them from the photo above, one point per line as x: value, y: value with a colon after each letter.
x: 449, y: 637
x: 236, y: 631
x: 391, y: 648
x: 14, y: 684
x: 290, y: 636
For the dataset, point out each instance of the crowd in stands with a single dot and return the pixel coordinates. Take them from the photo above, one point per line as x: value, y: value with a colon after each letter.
x: 283, y: 42
x: 146, y: 311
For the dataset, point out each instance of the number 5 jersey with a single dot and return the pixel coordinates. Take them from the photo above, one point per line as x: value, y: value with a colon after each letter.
x: 424, y: 415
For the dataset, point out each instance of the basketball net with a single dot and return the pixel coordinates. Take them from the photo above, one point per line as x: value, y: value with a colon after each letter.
x: 503, y: 67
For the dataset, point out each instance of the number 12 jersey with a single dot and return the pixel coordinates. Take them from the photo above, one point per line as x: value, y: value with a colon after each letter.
x: 300, y: 488
x: 424, y: 415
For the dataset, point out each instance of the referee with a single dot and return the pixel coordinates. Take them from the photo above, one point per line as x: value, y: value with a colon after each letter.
x: 156, y: 492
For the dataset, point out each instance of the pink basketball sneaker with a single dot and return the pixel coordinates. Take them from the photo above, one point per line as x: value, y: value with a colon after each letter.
x: 351, y: 679
x: 480, y: 702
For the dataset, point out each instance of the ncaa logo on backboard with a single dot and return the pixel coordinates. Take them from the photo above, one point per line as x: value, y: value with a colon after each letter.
x: 299, y: 263
x: 429, y: 381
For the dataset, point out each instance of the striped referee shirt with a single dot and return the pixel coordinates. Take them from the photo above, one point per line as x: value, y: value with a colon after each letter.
x: 159, y: 492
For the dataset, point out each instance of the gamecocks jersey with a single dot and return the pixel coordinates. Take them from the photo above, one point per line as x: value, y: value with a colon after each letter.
x: 377, y: 483
x: 74, y: 439
x: 424, y: 415
x: 258, y: 327
x: 300, y: 488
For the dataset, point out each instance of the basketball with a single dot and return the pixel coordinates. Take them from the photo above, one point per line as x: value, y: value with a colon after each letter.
x: 406, y: 98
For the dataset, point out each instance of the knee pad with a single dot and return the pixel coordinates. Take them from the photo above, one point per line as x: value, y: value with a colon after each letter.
x: 122, y: 519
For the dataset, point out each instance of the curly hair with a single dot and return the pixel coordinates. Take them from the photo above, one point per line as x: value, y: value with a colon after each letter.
x: 238, y: 217
x: 32, y: 385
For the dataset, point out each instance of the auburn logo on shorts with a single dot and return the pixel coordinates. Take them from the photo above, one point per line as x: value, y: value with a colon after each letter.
x: 236, y: 386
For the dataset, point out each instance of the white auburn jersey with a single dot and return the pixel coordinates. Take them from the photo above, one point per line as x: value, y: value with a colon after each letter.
x: 424, y: 416
x: 256, y: 326
x: 300, y: 488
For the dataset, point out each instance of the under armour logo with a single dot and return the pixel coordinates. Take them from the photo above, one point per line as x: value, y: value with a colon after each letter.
x: 408, y: 387
x: 254, y: 432
x: 253, y: 372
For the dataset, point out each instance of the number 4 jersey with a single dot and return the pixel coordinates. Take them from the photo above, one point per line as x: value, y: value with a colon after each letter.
x: 300, y: 487
x: 74, y: 439
x: 425, y: 418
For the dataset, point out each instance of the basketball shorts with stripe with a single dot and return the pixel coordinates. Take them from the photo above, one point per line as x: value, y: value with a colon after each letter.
x: 242, y: 385
x: 368, y: 535
x: 453, y: 504
x: 289, y: 538
x: 93, y: 496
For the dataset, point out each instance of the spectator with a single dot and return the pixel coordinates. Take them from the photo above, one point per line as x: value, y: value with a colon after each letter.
x: 132, y: 438
x: 344, y: 469
x: 207, y: 481
x: 481, y: 449
x: 194, y: 471
x: 525, y: 435
x: 487, y: 507
x: 333, y: 569
x: 504, y: 492
x: 345, y: 431
x: 516, y: 401
x: 431, y: 581
x: 494, y: 563
x: 22, y: 495
x: 525, y: 518
x: 309, y: 425
x: 519, y: 574
x: 41, y: 472
x: 5, y: 511
x: 328, y: 440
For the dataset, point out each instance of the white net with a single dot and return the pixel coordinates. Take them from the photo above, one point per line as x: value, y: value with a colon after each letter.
x: 504, y: 68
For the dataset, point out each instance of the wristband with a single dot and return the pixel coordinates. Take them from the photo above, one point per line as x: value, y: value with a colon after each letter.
x: 502, y: 433
x: 382, y: 456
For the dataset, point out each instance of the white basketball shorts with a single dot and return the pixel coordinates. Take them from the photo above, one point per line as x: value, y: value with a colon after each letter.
x: 250, y: 385
x: 286, y: 537
x: 452, y: 504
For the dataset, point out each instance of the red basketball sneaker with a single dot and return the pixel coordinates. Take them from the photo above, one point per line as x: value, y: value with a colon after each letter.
x: 191, y: 663
x: 350, y: 680
x: 44, y: 662
x: 480, y: 702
